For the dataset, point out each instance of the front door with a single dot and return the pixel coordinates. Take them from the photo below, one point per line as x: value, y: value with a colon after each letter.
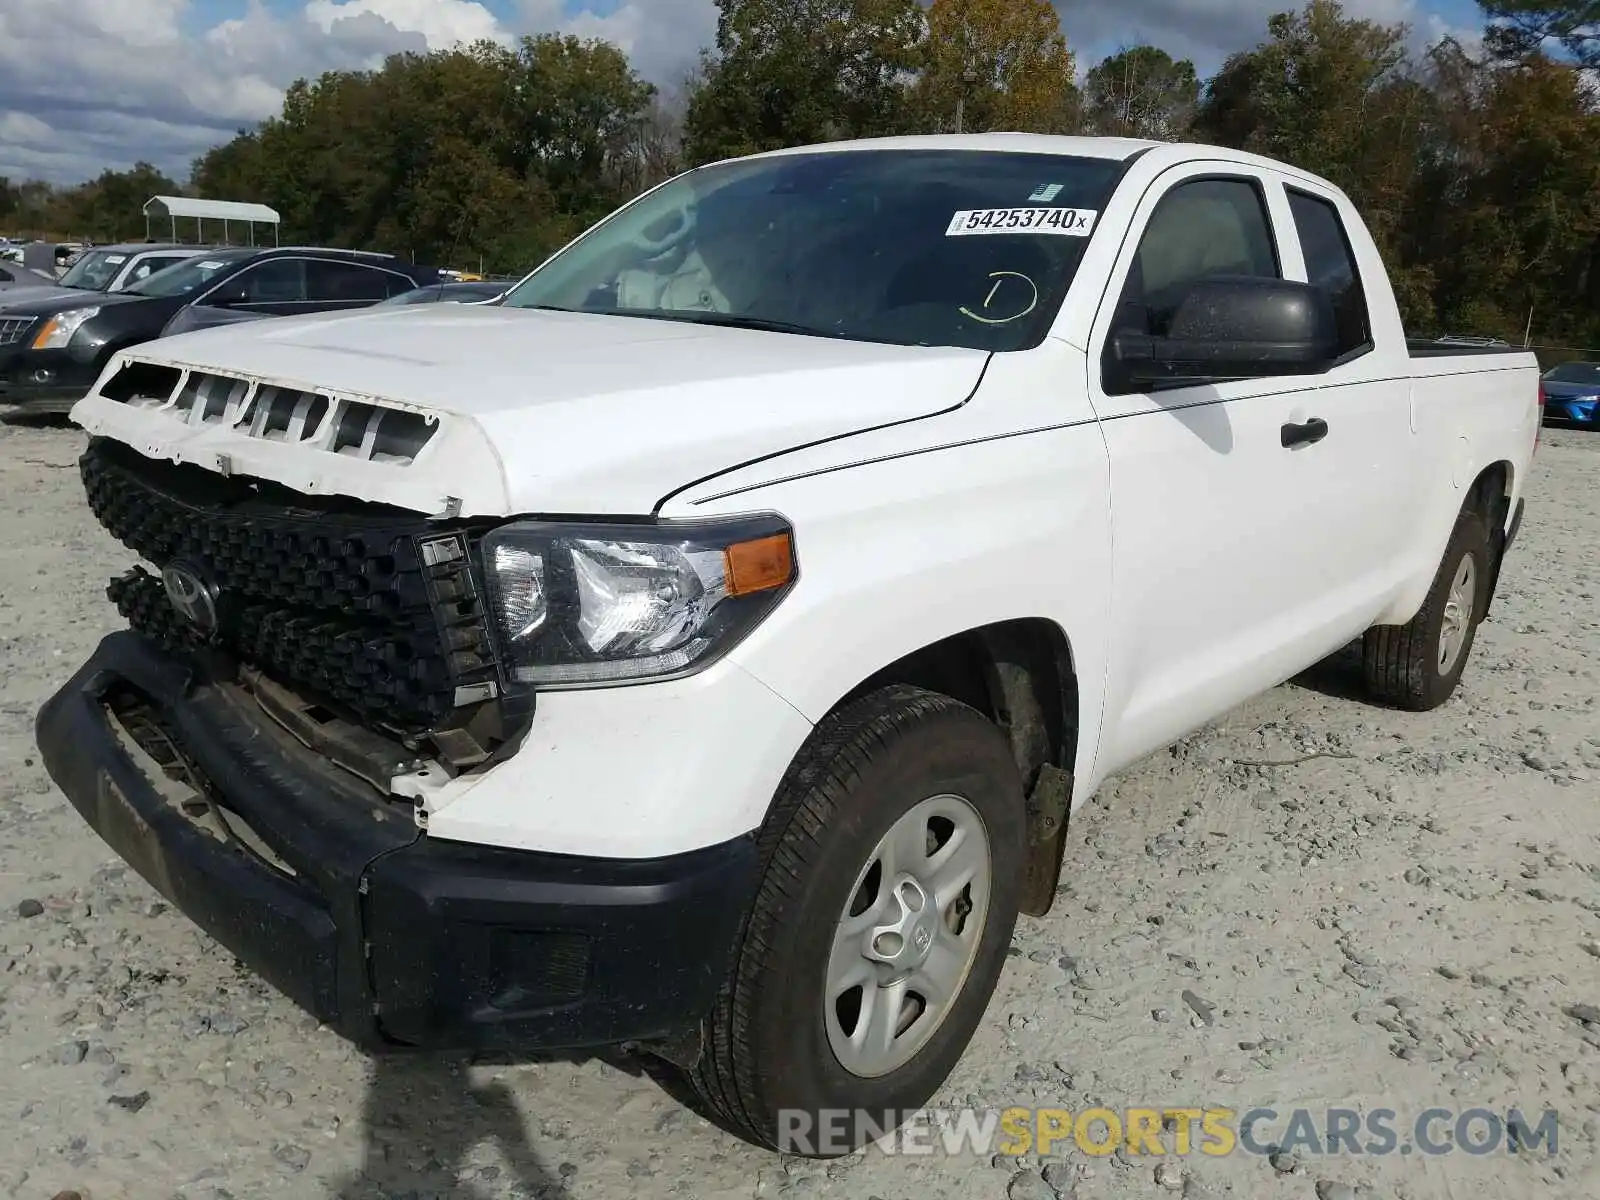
x: 1223, y: 495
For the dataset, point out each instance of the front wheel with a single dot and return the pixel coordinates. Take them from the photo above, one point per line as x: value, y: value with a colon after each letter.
x: 1418, y: 665
x: 892, y: 879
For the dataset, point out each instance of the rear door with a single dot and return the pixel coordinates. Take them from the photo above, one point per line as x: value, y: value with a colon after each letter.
x: 1368, y: 469
x: 1238, y: 556
x: 335, y: 284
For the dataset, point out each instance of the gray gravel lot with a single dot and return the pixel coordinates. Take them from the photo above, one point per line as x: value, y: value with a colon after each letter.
x: 1409, y: 920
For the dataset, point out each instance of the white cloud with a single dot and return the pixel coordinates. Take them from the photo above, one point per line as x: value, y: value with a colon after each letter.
x: 22, y: 127
x: 108, y: 82
x: 1207, y: 31
x: 91, y: 84
x: 663, y: 38
x: 444, y: 23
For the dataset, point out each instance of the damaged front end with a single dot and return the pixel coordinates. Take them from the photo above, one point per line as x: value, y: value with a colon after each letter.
x: 361, y: 629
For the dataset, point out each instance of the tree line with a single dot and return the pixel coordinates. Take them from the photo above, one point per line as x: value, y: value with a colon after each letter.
x: 1479, y: 171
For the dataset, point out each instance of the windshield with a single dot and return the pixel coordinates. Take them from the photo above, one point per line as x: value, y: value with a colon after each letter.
x: 1575, y: 372
x: 187, y: 275
x: 95, y: 270
x: 930, y: 248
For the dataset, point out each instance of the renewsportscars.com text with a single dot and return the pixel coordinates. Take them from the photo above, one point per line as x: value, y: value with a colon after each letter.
x: 1176, y: 1131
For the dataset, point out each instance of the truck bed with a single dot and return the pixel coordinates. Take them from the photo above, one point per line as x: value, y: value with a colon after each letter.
x: 1431, y: 348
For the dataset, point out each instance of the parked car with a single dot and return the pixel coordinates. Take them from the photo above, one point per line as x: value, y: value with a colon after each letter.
x: 104, y: 269
x: 450, y: 293
x: 912, y: 488
x: 1572, y: 393
x: 14, y: 276
x: 51, y: 351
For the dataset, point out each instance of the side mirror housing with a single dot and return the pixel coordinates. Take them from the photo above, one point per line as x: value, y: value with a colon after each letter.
x: 1235, y: 327
x: 227, y: 297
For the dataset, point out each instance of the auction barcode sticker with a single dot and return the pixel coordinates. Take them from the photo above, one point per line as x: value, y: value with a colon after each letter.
x: 1068, y: 222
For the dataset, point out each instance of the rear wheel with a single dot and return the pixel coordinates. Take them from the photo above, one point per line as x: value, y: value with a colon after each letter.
x: 880, y: 928
x: 1418, y: 665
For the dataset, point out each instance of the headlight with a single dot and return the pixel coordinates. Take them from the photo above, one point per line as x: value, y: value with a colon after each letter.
x: 58, y: 330
x: 614, y: 603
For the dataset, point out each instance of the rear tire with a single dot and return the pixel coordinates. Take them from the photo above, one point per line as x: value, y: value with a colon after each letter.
x: 852, y: 858
x: 1417, y: 665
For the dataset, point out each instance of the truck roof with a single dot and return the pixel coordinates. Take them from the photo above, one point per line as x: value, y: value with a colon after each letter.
x: 1065, y: 145
x: 1014, y: 143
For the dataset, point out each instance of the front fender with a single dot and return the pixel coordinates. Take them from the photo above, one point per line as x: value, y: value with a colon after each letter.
x: 898, y: 554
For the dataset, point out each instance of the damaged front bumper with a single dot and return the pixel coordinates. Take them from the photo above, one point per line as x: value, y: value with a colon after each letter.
x: 331, y: 893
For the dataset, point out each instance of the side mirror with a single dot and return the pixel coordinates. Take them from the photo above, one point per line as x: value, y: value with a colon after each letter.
x: 1235, y: 327
x: 227, y: 296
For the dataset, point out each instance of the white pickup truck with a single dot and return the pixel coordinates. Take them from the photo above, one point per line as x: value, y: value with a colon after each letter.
x: 702, y: 649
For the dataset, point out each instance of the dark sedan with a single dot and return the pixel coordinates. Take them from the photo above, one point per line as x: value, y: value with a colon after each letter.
x: 1572, y: 393
x: 51, y: 352
x: 452, y: 293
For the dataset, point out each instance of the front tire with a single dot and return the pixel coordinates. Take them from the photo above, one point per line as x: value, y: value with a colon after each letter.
x: 891, y: 885
x: 1417, y: 665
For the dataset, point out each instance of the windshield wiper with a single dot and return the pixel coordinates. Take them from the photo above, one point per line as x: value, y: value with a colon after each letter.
x: 698, y: 317
x: 728, y: 320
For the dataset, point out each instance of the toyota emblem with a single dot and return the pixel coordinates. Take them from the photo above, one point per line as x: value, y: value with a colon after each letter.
x: 192, y: 597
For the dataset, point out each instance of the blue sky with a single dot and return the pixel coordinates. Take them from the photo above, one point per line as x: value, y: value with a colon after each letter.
x: 86, y: 84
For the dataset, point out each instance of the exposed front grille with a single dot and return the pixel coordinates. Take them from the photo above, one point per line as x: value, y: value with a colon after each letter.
x: 14, y: 329
x: 349, y: 603
x: 353, y: 428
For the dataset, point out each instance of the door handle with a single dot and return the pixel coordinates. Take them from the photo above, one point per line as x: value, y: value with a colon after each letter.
x: 1308, y: 434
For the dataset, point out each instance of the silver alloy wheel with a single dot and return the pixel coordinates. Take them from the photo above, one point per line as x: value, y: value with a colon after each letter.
x: 907, y: 936
x: 1459, y: 606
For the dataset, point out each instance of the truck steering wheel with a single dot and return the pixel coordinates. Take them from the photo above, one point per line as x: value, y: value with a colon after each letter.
x: 680, y: 226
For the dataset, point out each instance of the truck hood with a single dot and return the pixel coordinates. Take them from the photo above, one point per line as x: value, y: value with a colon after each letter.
x: 571, y: 412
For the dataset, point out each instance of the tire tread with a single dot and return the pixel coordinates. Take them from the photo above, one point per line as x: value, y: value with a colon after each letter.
x: 1397, y: 660
x: 727, y: 1078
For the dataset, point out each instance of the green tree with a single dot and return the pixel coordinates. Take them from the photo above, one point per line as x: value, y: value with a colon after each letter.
x: 111, y: 208
x: 477, y: 153
x: 997, y: 64
x: 1141, y: 92
x: 579, y: 110
x: 788, y: 72
x: 1336, y: 96
x: 1518, y: 28
x: 1505, y: 216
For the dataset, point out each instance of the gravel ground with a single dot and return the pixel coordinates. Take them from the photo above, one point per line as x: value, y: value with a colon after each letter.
x: 1410, y: 919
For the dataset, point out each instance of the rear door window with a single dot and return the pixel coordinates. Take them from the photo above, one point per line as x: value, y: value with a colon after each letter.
x: 346, y: 283
x: 1331, y: 264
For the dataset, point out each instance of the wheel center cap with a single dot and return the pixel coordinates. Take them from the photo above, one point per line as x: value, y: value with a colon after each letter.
x: 904, y: 941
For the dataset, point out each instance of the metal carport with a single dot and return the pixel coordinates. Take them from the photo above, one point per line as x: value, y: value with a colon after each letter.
x: 226, y: 211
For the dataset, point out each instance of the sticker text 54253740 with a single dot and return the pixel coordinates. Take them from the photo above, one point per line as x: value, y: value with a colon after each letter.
x: 1067, y: 222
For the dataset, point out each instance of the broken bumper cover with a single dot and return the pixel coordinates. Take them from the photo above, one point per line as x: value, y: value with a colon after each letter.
x: 385, y: 934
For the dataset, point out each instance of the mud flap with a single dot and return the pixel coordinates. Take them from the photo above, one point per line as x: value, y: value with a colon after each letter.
x: 1501, y: 538
x: 1047, y: 838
